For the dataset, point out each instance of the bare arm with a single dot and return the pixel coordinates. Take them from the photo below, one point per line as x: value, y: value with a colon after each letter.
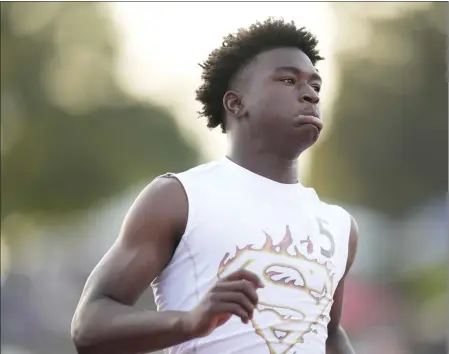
x: 105, y: 321
x: 337, y: 341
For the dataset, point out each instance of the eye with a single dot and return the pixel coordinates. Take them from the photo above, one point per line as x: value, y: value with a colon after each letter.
x: 289, y: 80
x: 317, y: 88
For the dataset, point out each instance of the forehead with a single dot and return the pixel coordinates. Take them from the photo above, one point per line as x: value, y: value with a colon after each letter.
x: 282, y: 57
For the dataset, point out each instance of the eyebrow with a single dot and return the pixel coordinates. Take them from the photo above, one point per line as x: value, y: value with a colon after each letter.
x: 296, y: 71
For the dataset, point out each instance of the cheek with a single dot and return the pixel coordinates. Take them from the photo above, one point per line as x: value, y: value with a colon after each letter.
x: 261, y: 107
x: 284, y: 95
x: 280, y: 103
x: 269, y: 105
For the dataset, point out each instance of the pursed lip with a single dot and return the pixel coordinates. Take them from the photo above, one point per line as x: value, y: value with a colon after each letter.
x: 309, y: 112
x: 308, y: 117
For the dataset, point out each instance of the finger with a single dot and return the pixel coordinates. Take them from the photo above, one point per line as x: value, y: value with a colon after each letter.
x: 246, y: 275
x: 237, y: 298
x: 241, y: 286
x: 227, y: 308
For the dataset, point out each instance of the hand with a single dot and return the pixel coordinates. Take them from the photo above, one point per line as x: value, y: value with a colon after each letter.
x: 234, y: 295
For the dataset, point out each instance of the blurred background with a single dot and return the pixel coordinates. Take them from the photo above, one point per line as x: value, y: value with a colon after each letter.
x: 98, y: 98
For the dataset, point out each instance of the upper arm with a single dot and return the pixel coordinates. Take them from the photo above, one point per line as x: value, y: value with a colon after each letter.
x: 145, y: 245
x: 336, y: 310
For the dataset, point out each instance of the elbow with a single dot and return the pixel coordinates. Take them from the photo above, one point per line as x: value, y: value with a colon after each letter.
x: 82, y: 337
x: 79, y: 337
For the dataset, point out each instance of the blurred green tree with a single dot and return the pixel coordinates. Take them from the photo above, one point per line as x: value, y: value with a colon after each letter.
x: 70, y: 135
x: 388, y: 146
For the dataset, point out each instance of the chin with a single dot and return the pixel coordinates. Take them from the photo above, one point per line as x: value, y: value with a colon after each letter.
x: 305, y: 141
x: 291, y: 146
x: 293, y: 151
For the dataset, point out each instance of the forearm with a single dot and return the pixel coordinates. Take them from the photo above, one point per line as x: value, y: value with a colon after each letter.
x: 338, y: 342
x: 107, y: 327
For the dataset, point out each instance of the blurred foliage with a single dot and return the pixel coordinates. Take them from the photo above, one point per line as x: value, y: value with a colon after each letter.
x: 389, y: 148
x: 426, y: 283
x: 70, y: 136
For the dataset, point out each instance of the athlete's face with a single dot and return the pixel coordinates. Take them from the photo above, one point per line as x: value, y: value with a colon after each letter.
x: 280, y: 100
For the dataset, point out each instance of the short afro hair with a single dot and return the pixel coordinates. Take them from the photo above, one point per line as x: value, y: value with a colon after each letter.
x: 237, y: 51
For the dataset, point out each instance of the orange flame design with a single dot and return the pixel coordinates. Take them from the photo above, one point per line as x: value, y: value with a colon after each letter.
x: 279, y: 248
x: 309, y: 245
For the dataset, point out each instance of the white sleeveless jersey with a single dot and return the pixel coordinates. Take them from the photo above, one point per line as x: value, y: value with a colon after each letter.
x: 295, y: 243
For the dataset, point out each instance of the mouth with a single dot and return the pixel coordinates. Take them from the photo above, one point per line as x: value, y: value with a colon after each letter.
x: 306, y: 119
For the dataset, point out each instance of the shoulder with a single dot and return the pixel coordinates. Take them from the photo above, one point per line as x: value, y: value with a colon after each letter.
x: 198, y: 181
x: 353, y: 236
x: 344, y: 221
x: 168, y: 198
x: 160, y: 206
x: 198, y: 171
x: 335, y: 212
x: 352, y: 244
x: 351, y: 230
x: 349, y: 226
x: 163, y: 190
x: 169, y: 189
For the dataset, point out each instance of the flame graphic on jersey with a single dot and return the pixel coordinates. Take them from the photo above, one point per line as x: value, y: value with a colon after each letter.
x: 287, y: 273
x: 280, y: 248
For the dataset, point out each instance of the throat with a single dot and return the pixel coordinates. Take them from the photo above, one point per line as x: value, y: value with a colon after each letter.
x: 270, y: 167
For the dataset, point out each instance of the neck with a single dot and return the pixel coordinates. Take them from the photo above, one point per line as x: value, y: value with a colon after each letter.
x: 266, y: 164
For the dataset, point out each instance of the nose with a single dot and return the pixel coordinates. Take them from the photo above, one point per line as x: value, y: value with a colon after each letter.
x: 309, y: 95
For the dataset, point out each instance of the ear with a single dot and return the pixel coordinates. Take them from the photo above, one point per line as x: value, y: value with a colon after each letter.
x: 232, y: 103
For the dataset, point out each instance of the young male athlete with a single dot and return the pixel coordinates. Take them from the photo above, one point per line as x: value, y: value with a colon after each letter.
x: 241, y: 257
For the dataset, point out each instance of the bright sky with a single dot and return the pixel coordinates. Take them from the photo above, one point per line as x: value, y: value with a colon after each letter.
x: 162, y: 47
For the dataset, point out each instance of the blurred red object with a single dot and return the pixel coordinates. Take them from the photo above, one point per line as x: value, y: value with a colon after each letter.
x: 365, y: 305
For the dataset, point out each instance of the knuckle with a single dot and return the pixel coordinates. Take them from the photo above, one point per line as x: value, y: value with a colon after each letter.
x: 217, y: 284
x: 241, y: 298
x: 256, y: 297
x: 247, y: 286
x: 240, y: 312
x: 213, y: 298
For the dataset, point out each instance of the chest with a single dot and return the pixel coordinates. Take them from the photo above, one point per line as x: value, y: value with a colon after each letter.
x: 287, y: 242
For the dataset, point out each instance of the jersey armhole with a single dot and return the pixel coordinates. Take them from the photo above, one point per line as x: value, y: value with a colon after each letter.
x: 347, y: 226
x: 344, y: 229
x: 190, y: 212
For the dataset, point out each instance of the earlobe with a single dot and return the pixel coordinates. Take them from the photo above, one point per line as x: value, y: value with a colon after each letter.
x: 232, y: 103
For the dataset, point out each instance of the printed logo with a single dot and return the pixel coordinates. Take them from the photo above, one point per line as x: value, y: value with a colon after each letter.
x: 298, y: 290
